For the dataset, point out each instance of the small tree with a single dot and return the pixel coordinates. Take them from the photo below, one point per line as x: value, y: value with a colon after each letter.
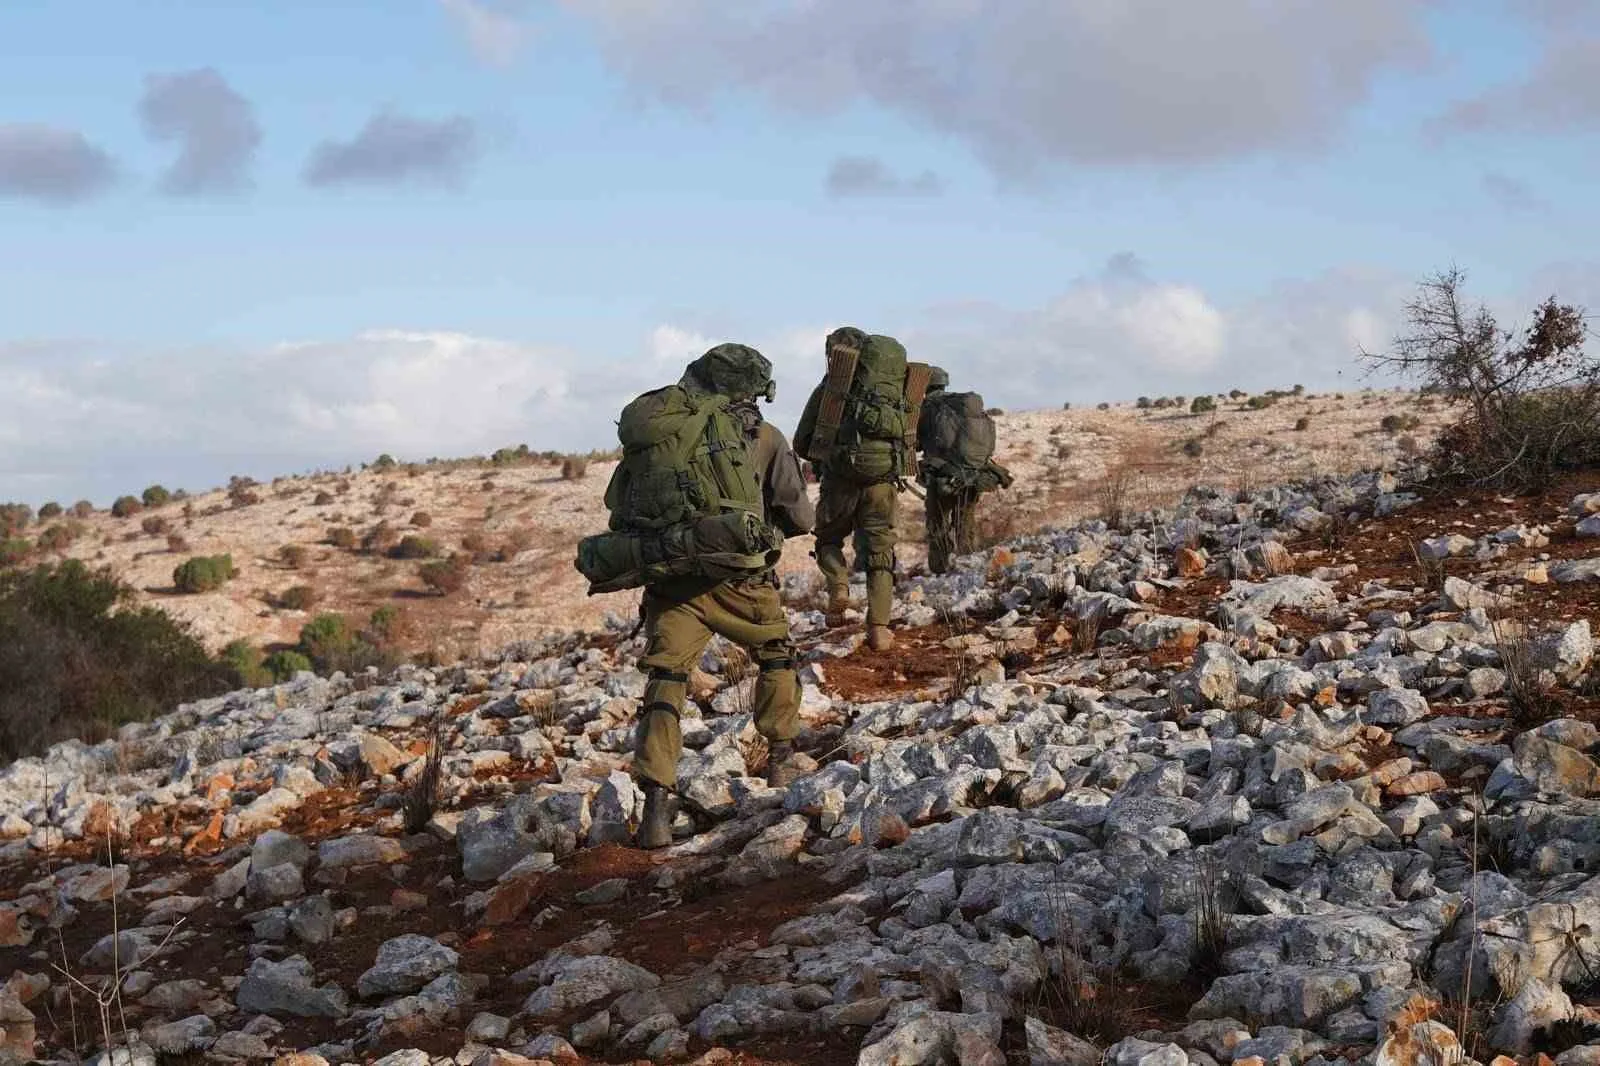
x: 82, y: 509
x: 126, y: 506
x: 50, y: 510
x: 153, y: 525
x: 156, y: 496
x: 1531, y: 396
x: 1202, y: 405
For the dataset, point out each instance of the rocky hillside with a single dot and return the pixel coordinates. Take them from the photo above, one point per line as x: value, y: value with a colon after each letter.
x: 1295, y: 775
x: 519, y: 522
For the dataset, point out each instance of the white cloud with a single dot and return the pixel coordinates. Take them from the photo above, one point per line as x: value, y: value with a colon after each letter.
x: 98, y: 422
x: 1033, y: 83
x: 496, y: 37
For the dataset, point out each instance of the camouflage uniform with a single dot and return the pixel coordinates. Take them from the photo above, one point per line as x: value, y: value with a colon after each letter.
x: 682, y: 614
x: 951, y: 515
x: 846, y: 505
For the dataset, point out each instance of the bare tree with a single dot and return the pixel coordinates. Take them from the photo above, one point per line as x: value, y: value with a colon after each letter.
x: 1530, y: 397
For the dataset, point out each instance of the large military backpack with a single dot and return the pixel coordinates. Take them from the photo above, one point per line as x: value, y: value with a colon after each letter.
x: 958, y: 440
x: 872, y: 398
x: 960, y: 432
x: 685, y: 500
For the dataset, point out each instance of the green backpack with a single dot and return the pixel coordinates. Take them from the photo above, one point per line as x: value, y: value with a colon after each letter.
x: 877, y: 416
x: 683, y: 457
x: 685, y: 500
x: 960, y: 432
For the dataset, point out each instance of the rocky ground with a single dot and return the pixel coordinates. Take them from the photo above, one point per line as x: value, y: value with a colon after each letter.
x: 523, y: 521
x: 1284, y: 776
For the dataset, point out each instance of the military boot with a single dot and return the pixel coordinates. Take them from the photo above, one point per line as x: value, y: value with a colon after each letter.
x: 660, y: 809
x: 782, y: 769
x: 879, y: 638
x: 838, y: 600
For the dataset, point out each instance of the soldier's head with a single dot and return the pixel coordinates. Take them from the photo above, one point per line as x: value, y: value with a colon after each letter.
x: 845, y: 337
x: 736, y: 371
x: 938, y: 379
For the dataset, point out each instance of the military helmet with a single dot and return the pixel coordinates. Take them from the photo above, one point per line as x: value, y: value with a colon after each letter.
x: 737, y: 371
x: 846, y: 337
x: 938, y: 378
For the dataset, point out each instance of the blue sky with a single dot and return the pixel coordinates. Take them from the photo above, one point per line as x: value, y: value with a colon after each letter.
x: 432, y: 227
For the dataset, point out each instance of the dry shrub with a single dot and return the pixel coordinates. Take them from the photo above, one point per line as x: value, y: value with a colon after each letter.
x: 1530, y: 397
x: 423, y: 794
x: 153, y: 525
x: 445, y: 576
x: 322, y: 499
x: 293, y: 556
x: 422, y: 520
x: 342, y: 537
x: 1112, y: 495
x: 298, y: 598
x: 177, y: 544
x: 574, y: 468
x: 1302, y: 424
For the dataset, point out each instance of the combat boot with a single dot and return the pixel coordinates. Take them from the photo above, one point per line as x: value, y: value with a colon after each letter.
x: 782, y: 769
x: 879, y: 638
x: 838, y: 600
x: 660, y: 809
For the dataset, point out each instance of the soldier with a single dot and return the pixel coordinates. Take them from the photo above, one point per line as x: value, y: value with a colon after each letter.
x: 956, y: 437
x: 701, y: 503
x: 859, y: 428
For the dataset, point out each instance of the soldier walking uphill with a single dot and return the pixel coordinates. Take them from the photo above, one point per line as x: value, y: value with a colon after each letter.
x: 701, y: 503
x: 859, y: 428
x: 956, y: 437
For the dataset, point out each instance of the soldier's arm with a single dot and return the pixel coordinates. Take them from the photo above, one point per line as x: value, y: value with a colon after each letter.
x: 808, y: 422
x: 789, y: 507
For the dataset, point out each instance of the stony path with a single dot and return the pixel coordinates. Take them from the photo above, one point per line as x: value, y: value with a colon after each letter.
x: 1302, y: 775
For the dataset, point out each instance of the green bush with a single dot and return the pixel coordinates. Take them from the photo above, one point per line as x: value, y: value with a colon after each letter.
x: 284, y: 665
x: 203, y: 573
x: 298, y: 598
x: 14, y: 551
x: 1143, y: 403
x: 126, y: 506
x: 78, y: 658
x: 1202, y: 405
x: 384, y: 462
x: 244, y: 659
x: 50, y: 510
x: 14, y: 518
x: 156, y: 496
x: 59, y: 537
x: 331, y: 643
x: 82, y: 509
x: 412, y: 546
x: 445, y: 576
x: 1261, y: 402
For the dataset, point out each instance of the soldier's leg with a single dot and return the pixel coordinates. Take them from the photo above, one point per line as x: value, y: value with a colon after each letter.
x: 876, y: 514
x: 964, y: 521
x: 677, y: 637
x: 940, y: 533
x: 753, y: 615
x: 836, y: 518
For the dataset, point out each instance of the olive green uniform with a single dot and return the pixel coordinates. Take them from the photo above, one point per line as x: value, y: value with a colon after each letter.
x: 681, y: 615
x: 846, y: 505
x: 952, y: 520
